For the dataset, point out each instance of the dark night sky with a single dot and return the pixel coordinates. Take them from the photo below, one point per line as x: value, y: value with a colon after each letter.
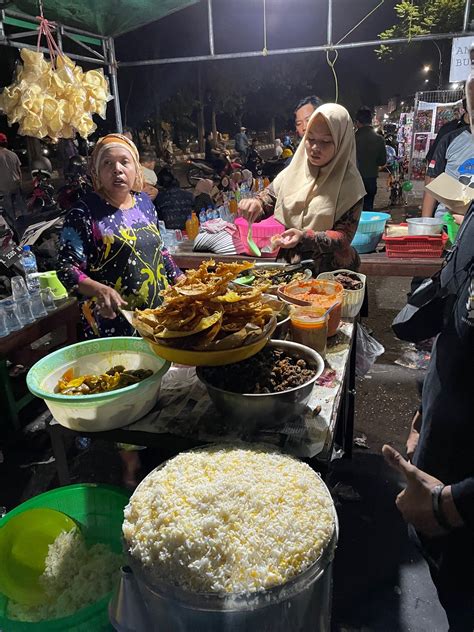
x: 363, y: 79
x: 239, y: 27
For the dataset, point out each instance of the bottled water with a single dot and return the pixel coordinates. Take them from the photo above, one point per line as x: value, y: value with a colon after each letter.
x: 30, y: 267
x: 202, y: 216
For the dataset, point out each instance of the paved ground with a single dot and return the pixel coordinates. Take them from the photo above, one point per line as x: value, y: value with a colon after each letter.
x: 380, y: 582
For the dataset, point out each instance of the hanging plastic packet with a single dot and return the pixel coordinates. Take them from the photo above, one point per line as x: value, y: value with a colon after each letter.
x: 54, y: 98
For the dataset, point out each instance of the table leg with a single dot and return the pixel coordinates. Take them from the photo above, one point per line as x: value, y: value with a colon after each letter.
x: 364, y: 310
x: 7, y: 395
x: 59, y: 451
x: 350, y: 401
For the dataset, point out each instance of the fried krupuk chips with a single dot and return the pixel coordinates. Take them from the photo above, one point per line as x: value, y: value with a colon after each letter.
x: 202, y: 312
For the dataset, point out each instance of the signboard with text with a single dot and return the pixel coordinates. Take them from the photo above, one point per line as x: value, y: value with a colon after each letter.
x: 460, y: 59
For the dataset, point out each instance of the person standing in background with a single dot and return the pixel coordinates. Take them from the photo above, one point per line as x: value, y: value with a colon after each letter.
x: 303, y: 112
x: 173, y: 204
x: 278, y: 148
x: 371, y: 154
x: 242, y: 144
x: 10, y: 181
x: 148, y: 163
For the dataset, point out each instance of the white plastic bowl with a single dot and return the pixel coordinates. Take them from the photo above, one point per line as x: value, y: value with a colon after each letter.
x: 425, y: 226
x: 353, y: 299
x: 104, y: 411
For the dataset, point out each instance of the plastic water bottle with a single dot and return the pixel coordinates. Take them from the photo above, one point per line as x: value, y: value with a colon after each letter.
x: 30, y: 267
x: 210, y: 213
x: 82, y: 443
x: 202, y: 216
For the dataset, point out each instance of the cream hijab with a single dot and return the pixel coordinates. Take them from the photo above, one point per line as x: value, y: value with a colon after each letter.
x: 316, y: 197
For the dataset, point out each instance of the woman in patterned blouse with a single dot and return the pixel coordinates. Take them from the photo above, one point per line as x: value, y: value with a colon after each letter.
x: 318, y: 197
x: 111, y: 251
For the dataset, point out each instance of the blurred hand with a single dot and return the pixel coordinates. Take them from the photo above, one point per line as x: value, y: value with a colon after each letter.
x: 250, y: 209
x: 289, y: 239
x: 412, y: 443
x: 458, y: 218
x: 415, y: 502
x: 108, y: 301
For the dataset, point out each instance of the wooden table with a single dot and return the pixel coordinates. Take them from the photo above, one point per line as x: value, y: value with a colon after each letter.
x: 378, y: 264
x: 340, y: 424
x: 374, y: 264
x: 17, y: 347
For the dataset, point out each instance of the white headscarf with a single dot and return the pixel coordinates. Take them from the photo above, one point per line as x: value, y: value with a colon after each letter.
x: 316, y: 197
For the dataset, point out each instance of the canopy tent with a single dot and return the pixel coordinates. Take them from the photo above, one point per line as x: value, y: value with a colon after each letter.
x: 104, y: 17
x: 97, y: 22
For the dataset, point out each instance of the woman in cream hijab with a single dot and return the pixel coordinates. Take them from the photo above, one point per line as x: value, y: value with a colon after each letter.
x: 318, y: 197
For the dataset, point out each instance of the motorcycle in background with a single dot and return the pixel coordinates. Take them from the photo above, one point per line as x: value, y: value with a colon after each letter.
x: 78, y: 183
x: 199, y: 169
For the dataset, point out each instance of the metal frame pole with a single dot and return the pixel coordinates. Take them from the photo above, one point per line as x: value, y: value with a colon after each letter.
x: 329, y: 24
x: 288, y: 51
x: 210, y: 26
x: 114, y: 84
x: 467, y: 15
x: 412, y: 144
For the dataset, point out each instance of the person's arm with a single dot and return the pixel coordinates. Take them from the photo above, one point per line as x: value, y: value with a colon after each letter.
x: 260, y: 206
x: 325, y: 241
x: 416, y: 501
x: 414, y: 435
x: 429, y: 203
x: 74, y: 254
x: 173, y: 272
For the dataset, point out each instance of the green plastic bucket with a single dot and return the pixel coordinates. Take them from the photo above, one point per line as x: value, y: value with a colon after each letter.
x: 98, y: 510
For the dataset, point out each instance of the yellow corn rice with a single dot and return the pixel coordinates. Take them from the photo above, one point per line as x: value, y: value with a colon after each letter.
x: 229, y: 520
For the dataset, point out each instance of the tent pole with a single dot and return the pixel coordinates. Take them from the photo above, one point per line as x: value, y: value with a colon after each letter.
x: 114, y: 84
x: 410, y: 158
x: 210, y: 25
x: 467, y: 15
x: 290, y: 51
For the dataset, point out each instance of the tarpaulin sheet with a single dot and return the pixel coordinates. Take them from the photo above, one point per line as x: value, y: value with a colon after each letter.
x: 104, y: 17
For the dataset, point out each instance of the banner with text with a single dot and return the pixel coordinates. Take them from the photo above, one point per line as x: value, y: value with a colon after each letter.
x: 460, y: 59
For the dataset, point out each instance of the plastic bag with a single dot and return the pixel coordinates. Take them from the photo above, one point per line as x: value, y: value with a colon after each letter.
x: 367, y: 351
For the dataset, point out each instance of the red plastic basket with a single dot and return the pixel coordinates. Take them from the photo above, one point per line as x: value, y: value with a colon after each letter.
x: 415, y: 246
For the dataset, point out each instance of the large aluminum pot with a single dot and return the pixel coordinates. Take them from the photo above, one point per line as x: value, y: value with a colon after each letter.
x: 266, y: 410
x: 302, y: 604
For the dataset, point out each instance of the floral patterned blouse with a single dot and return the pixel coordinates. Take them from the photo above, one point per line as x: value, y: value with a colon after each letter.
x: 119, y: 248
x: 329, y: 249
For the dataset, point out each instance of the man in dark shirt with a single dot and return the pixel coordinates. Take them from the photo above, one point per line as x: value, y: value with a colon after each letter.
x: 371, y: 154
x: 439, y: 498
x: 173, y: 205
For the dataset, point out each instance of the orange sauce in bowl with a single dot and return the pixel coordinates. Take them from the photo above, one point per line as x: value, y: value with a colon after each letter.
x: 319, y: 293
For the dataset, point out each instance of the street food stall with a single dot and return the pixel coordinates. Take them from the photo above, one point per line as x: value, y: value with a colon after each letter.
x: 217, y: 380
x: 238, y: 383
